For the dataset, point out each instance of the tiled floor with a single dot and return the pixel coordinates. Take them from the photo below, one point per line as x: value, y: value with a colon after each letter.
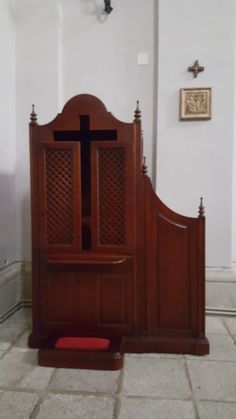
x: 150, y: 386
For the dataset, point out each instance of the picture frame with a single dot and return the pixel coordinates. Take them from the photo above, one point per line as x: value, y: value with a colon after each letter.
x: 195, y: 103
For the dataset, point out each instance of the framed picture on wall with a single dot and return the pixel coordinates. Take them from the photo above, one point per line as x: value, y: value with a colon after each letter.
x: 195, y: 103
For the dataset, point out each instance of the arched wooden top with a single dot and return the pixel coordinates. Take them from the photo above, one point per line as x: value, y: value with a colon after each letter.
x: 83, y: 104
x: 89, y: 103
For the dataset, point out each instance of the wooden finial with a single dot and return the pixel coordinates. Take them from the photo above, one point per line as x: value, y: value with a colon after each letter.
x: 142, y: 135
x: 201, y: 208
x: 137, y: 113
x: 144, y: 169
x: 33, y: 116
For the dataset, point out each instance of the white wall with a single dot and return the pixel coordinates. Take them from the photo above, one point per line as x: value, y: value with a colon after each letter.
x: 234, y: 181
x: 195, y: 158
x: 37, y: 81
x: 66, y: 47
x: 234, y: 195
x: 7, y: 136
x: 100, y: 57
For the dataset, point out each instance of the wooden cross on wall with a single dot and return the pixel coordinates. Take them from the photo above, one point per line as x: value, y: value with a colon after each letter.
x: 196, y: 68
x: 85, y: 136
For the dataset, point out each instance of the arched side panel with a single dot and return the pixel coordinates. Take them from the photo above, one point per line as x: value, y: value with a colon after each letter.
x: 172, y: 270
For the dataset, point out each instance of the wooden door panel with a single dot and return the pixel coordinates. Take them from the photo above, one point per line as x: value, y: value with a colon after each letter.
x: 59, y: 192
x: 112, y: 196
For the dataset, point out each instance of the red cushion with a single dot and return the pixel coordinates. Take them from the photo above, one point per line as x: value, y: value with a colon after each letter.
x: 84, y: 343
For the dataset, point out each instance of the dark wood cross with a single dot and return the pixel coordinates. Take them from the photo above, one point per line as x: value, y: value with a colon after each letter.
x: 196, y: 68
x: 85, y: 136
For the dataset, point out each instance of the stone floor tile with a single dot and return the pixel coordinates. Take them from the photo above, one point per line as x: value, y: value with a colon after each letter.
x: 16, y: 405
x: 4, y: 345
x: 155, y: 377
x: 13, y: 368
x: 145, y: 355
x: 21, y: 343
x: 216, y: 410
x: 215, y: 325
x: 8, y: 334
x: 230, y: 322
x: 19, y: 369
x: 86, y: 380
x: 76, y: 407
x: 13, y: 327
x: 212, y: 380
x: 222, y: 348
x: 133, y: 408
x: 171, y: 356
x: 20, y: 318
x: 154, y: 355
x: 36, y: 379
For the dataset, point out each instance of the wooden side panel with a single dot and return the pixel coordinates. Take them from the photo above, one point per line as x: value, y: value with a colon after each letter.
x: 173, y: 269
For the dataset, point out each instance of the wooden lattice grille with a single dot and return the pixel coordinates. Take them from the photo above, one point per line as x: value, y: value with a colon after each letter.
x: 112, y: 196
x: 59, y: 196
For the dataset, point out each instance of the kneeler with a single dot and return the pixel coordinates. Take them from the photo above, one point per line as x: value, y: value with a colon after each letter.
x: 114, y: 270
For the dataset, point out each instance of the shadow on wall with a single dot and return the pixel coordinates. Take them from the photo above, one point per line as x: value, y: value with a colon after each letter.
x: 86, y: 13
x: 26, y: 229
x: 94, y: 7
x: 7, y: 219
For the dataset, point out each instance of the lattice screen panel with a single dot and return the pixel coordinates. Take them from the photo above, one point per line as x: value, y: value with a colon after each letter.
x: 112, y: 196
x: 59, y: 196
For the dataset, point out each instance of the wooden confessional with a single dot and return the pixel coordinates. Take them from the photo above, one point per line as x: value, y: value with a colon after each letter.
x: 114, y: 269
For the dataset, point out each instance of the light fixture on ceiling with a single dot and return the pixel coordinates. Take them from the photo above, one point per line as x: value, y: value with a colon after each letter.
x: 108, y: 7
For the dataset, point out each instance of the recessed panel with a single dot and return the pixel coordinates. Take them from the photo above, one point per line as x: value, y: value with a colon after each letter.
x: 173, y: 275
x: 113, y: 297
x: 56, y: 299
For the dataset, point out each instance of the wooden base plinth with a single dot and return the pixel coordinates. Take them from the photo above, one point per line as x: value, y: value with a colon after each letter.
x: 174, y: 345
x: 70, y: 358
x: 112, y: 359
x: 37, y: 340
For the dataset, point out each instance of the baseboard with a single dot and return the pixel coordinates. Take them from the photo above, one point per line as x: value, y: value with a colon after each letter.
x: 15, y: 289
x: 215, y: 311
x: 12, y: 310
x: 10, y: 288
x: 210, y: 311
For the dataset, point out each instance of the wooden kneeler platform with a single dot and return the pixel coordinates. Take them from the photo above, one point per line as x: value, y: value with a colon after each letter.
x: 83, y: 352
